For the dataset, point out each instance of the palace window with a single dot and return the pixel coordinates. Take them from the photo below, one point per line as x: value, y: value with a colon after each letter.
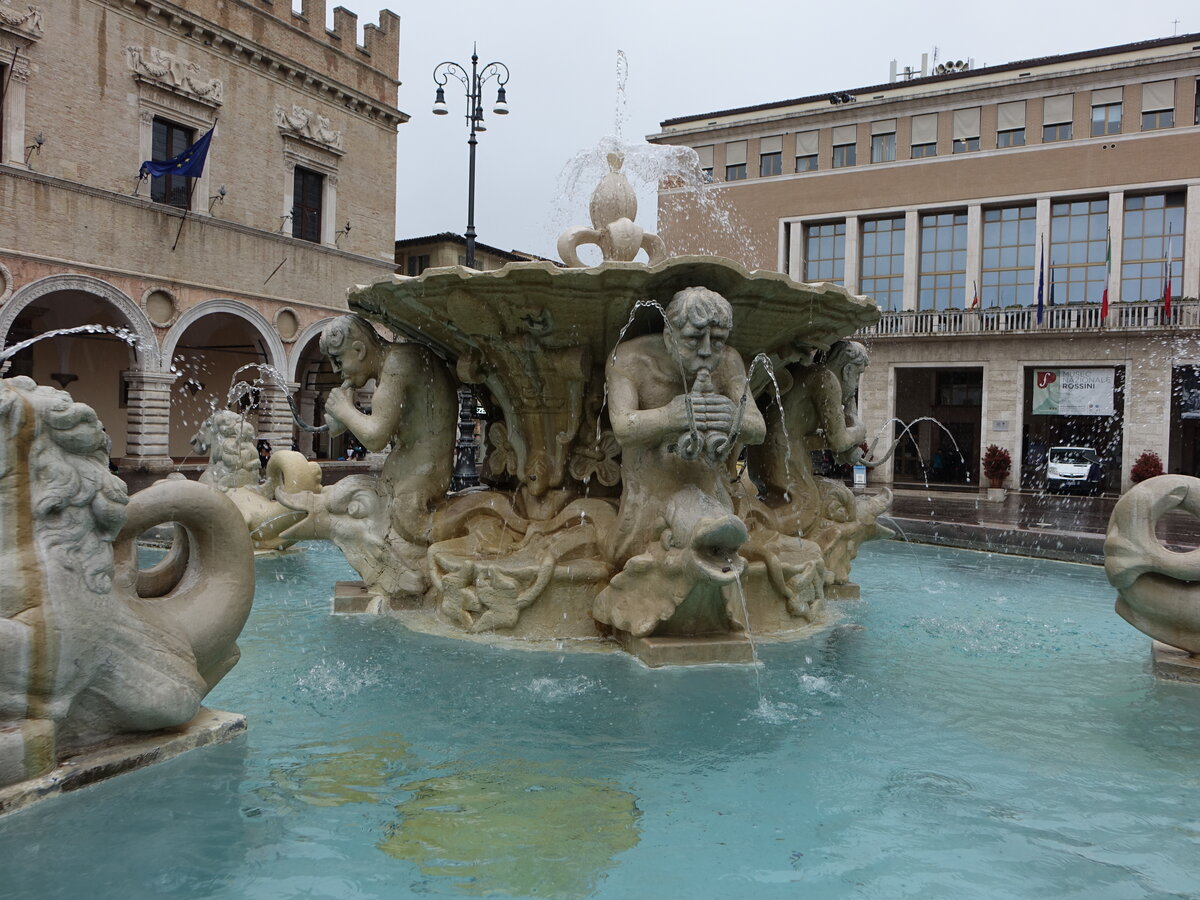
x: 883, y: 141
x: 1158, y: 105
x: 1078, y: 245
x: 770, y: 156
x: 924, y: 135
x: 966, y: 130
x: 1010, y: 124
x: 1012, y: 138
x: 806, y: 151
x: 943, y: 260
x: 735, y: 161
x: 705, y: 155
x: 171, y: 139
x: 418, y: 263
x: 306, y: 204
x: 825, y: 252
x: 1106, y: 112
x: 1153, y: 241
x: 1057, y: 115
x: 1009, y: 256
x: 845, y: 146
x: 882, y: 274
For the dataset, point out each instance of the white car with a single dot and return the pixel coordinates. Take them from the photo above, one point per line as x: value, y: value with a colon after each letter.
x: 1073, y: 468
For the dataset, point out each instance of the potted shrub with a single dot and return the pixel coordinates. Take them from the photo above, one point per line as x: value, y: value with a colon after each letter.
x: 1146, y: 466
x: 997, y: 464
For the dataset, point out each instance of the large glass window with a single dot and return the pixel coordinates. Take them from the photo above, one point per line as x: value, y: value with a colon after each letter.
x: 943, y: 274
x: 1078, y: 246
x: 306, y: 204
x: 825, y: 252
x: 170, y: 139
x: 806, y: 163
x: 1009, y: 256
x: 882, y: 276
x: 1153, y: 239
x: 735, y: 172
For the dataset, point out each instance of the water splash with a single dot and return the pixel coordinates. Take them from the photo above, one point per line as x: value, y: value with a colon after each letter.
x: 133, y: 340
x: 754, y: 660
x: 697, y: 204
x: 622, y: 77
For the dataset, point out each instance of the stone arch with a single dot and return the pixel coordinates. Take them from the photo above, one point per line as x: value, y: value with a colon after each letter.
x: 147, y: 354
x: 276, y: 354
x: 301, y: 344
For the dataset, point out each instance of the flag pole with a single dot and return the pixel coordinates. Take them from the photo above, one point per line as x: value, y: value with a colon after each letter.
x: 191, y: 190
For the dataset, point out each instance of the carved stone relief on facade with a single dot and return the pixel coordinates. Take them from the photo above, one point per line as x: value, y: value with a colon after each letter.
x: 27, y: 21
x: 310, y: 126
x: 168, y: 71
x: 6, y: 283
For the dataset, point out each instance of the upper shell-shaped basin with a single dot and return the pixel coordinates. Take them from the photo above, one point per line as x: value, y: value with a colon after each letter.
x: 451, y: 308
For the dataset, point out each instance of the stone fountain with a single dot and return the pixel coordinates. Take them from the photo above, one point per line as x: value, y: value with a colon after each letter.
x: 103, y: 665
x: 616, y: 499
x: 1158, y: 588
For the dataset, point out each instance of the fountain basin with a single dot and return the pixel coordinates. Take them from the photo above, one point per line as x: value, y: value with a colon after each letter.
x: 382, y: 762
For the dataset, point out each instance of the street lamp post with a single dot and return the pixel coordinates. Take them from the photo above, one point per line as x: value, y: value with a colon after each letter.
x: 473, y: 82
x: 465, y: 473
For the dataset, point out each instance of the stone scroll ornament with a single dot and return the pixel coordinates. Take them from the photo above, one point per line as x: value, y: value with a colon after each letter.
x: 613, y: 209
x: 91, y: 647
x: 1158, y: 590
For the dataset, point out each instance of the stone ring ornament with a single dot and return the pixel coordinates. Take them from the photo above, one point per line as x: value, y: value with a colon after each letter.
x: 1158, y: 589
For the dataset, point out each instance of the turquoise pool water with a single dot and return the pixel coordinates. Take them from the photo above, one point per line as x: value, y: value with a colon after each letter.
x: 979, y: 726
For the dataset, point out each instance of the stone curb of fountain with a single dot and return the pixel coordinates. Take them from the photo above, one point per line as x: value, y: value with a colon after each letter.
x: 121, y: 755
x: 1066, y: 546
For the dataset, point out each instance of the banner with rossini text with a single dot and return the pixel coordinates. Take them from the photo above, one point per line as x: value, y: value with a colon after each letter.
x: 1073, y: 392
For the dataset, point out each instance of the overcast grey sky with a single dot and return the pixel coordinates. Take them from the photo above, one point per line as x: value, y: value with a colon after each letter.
x: 682, y: 59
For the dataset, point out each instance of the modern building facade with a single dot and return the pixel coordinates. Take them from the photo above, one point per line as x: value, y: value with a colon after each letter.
x: 956, y: 200
x: 241, y: 266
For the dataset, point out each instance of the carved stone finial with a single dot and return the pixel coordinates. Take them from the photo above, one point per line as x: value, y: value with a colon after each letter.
x: 613, y: 209
x: 169, y: 71
x: 28, y: 22
x: 309, y: 126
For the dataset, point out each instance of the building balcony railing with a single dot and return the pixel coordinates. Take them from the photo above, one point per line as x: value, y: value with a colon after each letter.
x: 1124, y: 317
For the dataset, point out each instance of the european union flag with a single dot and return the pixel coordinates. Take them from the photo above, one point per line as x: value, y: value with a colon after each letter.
x: 188, y: 164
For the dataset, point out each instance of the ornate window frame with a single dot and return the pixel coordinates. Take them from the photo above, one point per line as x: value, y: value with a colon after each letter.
x: 20, y: 30
x: 183, y: 98
x: 319, y: 159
